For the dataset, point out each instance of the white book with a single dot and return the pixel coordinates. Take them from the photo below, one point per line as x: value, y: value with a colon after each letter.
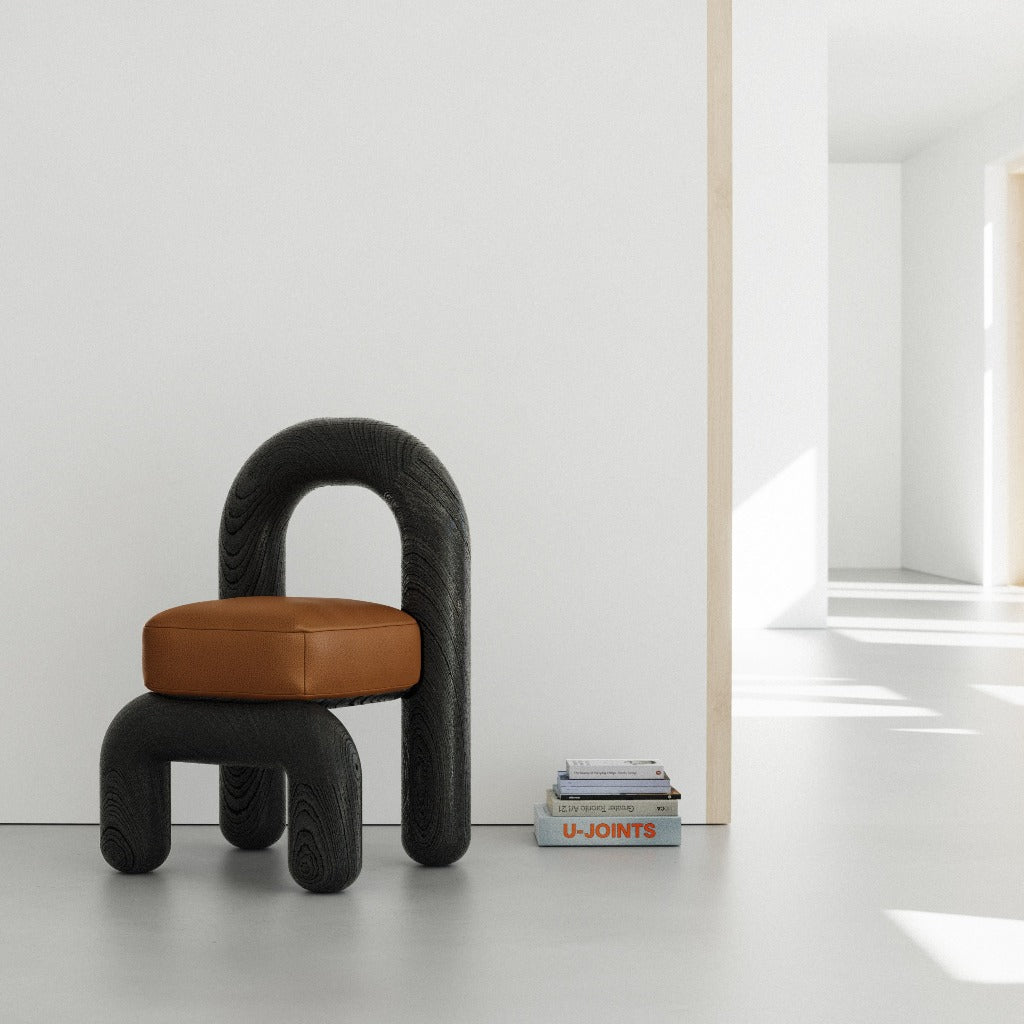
x: 614, y: 806
x: 613, y: 768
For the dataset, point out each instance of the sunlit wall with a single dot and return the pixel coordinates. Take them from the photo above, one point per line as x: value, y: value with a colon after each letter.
x: 780, y: 313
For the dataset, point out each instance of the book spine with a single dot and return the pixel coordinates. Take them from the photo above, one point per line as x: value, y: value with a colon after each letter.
x: 582, y: 807
x: 608, y: 768
x: 626, y: 791
x: 642, y: 831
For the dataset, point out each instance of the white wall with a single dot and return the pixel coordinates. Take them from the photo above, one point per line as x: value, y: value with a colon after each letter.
x: 483, y: 222
x: 865, y: 330
x: 780, y: 476
x: 951, y: 515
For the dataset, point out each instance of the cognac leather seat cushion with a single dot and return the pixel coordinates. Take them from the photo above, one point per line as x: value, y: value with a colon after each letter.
x: 281, y: 648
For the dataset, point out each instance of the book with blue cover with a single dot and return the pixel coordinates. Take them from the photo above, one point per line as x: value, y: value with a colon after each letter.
x: 564, y: 786
x: 606, y: 831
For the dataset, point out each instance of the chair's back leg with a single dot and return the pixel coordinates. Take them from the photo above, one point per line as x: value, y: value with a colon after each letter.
x: 135, y: 794
x: 435, y: 776
x: 251, y: 806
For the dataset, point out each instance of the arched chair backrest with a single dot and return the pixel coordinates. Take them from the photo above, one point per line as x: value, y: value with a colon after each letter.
x: 435, y: 590
x: 368, y: 453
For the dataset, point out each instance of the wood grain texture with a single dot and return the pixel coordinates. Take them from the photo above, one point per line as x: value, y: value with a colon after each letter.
x: 135, y: 794
x: 435, y: 591
x: 257, y: 743
x: 251, y: 806
x: 719, y: 557
x: 325, y: 824
x: 303, y: 740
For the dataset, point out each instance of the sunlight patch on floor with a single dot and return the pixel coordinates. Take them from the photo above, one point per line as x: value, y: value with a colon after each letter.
x: 961, y: 592
x: 941, y: 732
x: 927, y: 625
x: 1010, y: 694
x: 746, y: 678
x: 851, y: 691
x: 986, y: 950
x: 927, y: 638
x: 756, y: 707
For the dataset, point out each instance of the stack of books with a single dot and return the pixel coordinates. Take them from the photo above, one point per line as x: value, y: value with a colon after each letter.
x: 609, y: 802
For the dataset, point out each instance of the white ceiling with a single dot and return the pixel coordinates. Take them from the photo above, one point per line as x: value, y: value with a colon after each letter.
x: 902, y: 72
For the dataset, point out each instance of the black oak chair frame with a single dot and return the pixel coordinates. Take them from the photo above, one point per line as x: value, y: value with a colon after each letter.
x: 258, y: 743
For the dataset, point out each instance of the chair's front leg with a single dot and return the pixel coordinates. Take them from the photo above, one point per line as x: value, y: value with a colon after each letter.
x: 251, y: 806
x: 135, y: 794
x: 325, y: 808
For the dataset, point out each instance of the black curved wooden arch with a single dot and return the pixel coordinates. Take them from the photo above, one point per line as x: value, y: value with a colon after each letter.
x: 435, y: 591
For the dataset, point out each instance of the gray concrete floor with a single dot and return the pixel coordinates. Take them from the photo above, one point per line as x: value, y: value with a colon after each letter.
x: 870, y: 875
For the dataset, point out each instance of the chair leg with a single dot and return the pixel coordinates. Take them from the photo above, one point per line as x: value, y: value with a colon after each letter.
x: 135, y: 796
x: 305, y: 740
x: 251, y: 806
x: 325, y: 842
x: 435, y: 778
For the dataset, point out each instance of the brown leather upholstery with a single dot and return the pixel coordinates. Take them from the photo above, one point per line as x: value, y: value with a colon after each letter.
x: 281, y: 648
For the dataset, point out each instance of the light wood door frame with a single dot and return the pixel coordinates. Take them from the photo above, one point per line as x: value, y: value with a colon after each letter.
x: 1015, y: 373
x: 719, y: 536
